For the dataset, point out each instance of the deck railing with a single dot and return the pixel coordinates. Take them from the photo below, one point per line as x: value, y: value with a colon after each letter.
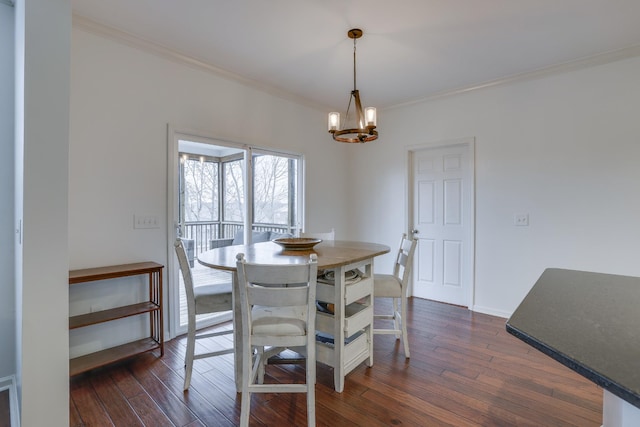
x: 201, y: 232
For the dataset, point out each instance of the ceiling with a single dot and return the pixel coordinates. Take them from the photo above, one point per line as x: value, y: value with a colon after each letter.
x: 411, y: 49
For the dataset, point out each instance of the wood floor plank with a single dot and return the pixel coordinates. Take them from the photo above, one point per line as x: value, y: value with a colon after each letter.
x: 177, y: 411
x: 87, y: 402
x: 5, y: 412
x: 74, y: 415
x: 126, y: 383
x: 460, y: 402
x: 203, y: 409
x: 149, y: 412
x: 465, y: 370
x: 116, y: 404
x: 572, y: 412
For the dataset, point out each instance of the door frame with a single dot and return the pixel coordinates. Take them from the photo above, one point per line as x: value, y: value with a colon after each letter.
x: 471, y: 251
x: 173, y: 270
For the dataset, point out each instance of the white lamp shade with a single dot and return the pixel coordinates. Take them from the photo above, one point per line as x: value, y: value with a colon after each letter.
x: 334, y: 121
x: 370, y: 116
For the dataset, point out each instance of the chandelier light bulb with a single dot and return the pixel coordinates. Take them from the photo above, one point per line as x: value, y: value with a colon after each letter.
x: 334, y: 121
x: 370, y: 114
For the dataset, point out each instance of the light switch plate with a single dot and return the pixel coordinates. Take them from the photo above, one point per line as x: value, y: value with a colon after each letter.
x: 145, y: 221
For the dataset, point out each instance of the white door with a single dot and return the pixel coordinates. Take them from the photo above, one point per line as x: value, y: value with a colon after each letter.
x: 442, y: 184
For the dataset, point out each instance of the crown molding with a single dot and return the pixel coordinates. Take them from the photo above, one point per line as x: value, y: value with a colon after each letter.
x: 565, y: 67
x: 89, y: 25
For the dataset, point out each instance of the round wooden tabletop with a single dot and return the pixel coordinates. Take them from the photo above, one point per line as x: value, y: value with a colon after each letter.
x: 331, y: 254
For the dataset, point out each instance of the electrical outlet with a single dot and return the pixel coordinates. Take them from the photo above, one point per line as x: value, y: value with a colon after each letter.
x: 521, y: 220
x: 145, y: 221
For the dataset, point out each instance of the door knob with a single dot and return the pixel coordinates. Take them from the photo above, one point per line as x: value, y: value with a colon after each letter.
x: 415, y: 231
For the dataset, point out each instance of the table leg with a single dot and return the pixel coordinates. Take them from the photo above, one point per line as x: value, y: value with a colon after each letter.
x: 237, y: 333
x: 338, y: 330
x: 368, y: 271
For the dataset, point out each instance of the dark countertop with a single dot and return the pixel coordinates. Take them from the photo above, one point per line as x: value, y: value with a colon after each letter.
x: 589, y: 322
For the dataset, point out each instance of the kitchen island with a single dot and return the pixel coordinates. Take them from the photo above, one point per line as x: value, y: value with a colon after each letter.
x: 589, y: 322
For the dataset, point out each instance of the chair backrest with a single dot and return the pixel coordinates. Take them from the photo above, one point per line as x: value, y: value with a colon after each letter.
x: 263, y: 285
x: 329, y: 235
x: 404, y: 259
x: 183, y: 261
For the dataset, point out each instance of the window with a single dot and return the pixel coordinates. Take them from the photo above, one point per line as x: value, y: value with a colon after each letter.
x: 233, y: 203
x: 275, y: 191
x: 200, y: 178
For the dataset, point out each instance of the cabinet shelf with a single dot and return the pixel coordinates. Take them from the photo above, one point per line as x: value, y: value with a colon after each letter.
x: 356, y: 317
x: 110, y: 355
x: 111, y: 314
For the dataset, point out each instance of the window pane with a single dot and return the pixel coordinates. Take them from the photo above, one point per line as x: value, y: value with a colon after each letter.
x: 233, y: 191
x: 200, y: 190
x: 274, y: 190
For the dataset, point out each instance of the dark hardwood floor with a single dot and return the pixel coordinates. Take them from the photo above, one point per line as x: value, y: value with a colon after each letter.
x: 465, y: 370
x: 5, y: 409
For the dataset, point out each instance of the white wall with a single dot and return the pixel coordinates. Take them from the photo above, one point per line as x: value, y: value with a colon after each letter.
x: 7, y: 292
x: 43, y: 29
x: 565, y: 149
x: 122, y: 99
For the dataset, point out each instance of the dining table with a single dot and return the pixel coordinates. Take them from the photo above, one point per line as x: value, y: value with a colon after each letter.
x: 344, y: 286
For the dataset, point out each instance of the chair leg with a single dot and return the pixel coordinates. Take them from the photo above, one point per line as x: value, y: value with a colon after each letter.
x: 403, y: 321
x: 244, y: 409
x: 263, y: 361
x: 188, y: 356
x: 311, y: 389
x: 247, y: 378
x: 396, y: 320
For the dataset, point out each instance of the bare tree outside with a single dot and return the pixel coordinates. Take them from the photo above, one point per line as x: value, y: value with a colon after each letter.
x: 271, y: 190
x: 201, y: 190
x: 233, y: 191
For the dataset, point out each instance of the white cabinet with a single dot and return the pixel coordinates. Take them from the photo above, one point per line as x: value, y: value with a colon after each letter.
x: 347, y: 335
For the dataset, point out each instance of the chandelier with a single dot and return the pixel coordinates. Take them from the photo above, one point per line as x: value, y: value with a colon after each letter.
x: 364, y: 127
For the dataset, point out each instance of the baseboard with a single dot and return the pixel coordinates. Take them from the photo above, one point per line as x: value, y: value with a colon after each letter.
x: 9, y: 412
x: 490, y: 311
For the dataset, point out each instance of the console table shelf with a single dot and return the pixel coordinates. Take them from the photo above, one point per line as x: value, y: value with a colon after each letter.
x: 110, y: 355
x: 153, y: 306
x: 111, y: 314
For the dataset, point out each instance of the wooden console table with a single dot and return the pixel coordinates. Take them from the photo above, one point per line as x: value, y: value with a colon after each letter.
x: 153, y: 306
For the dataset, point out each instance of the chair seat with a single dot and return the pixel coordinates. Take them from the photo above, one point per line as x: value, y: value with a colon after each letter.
x: 279, y: 321
x: 387, y: 285
x: 213, y: 298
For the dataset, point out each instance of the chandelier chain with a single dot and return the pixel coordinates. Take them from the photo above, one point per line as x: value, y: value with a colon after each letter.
x: 354, y: 64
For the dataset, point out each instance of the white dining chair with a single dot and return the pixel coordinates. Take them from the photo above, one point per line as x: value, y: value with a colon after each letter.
x: 329, y: 235
x: 201, y: 300
x: 275, y: 316
x: 394, y: 286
